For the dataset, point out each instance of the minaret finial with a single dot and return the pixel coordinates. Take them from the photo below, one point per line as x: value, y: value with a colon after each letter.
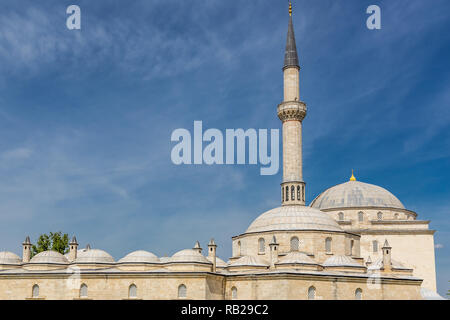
x: 352, y: 178
x: 290, y: 9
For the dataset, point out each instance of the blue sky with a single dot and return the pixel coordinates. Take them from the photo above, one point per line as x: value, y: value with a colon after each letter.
x: 86, y: 116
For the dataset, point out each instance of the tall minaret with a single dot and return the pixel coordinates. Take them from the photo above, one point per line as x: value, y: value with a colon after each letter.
x: 292, y: 112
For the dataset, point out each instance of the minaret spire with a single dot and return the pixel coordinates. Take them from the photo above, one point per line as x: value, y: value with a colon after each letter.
x: 291, y: 112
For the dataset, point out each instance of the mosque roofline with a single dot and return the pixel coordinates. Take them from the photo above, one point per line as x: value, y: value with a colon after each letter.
x: 367, y: 208
x: 291, y: 231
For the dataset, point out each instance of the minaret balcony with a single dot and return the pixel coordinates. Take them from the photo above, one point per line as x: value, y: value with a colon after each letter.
x: 291, y: 110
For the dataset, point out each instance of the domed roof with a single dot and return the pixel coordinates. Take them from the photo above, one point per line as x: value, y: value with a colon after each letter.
x: 296, y: 257
x: 219, y: 262
x: 356, y: 194
x: 7, y: 257
x: 341, y: 261
x: 189, y: 255
x: 293, y: 217
x: 250, y: 261
x: 94, y: 256
x: 378, y: 264
x: 49, y: 256
x: 140, y: 256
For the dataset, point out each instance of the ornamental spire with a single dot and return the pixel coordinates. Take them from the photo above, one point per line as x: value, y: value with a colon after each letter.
x: 290, y: 54
x: 352, y: 178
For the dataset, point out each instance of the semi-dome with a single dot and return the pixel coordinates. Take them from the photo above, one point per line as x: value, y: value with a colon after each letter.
x: 356, y: 194
x: 7, y: 257
x: 296, y: 257
x: 252, y: 261
x: 293, y: 217
x: 49, y: 256
x: 189, y: 255
x: 94, y: 256
x: 140, y: 256
x: 341, y: 261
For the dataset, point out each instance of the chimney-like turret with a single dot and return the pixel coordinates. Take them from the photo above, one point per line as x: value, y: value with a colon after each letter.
x: 212, y: 253
x: 387, y: 261
x: 26, y: 250
x: 273, y: 252
x: 73, y: 249
x: 197, y: 247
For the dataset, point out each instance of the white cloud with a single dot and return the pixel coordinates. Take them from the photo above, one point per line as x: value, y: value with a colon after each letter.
x: 438, y: 246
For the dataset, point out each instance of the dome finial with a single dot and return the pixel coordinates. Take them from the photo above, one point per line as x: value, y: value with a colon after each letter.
x: 352, y: 178
x: 290, y: 9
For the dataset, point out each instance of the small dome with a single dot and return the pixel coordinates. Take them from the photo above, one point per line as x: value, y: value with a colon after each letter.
x: 341, y: 261
x: 296, y: 257
x: 49, y: 256
x: 356, y: 194
x: 293, y: 218
x: 7, y: 257
x: 219, y: 262
x: 378, y: 264
x: 94, y: 256
x: 189, y: 255
x: 252, y: 261
x: 140, y: 256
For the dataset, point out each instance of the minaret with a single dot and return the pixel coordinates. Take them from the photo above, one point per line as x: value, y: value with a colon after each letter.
x: 291, y: 112
x: 26, y: 250
x: 212, y: 253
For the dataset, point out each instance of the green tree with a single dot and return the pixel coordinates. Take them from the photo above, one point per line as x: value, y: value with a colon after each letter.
x: 54, y: 241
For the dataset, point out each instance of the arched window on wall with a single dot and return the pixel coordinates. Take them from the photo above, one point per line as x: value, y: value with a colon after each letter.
x: 261, y: 245
x: 328, y: 245
x: 294, y: 244
x: 282, y: 194
x: 182, y: 291
x: 341, y: 216
x: 360, y: 216
x: 292, y: 193
x: 239, y: 248
x: 287, y: 193
x: 352, y: 244
x: 358, y: 294
x: 303, y: 193
x: 132, y: 291
x: 298, y: 193
x: 311, y: 293
x: 380, y: 215
x: 83, y: 291
x: 35, y: 291
x: 233, y: 293
x: 375, y: 246
x: 396, y: 216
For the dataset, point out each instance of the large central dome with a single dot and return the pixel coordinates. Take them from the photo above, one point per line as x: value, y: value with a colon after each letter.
x: 293, y: 218
x: 356, y: 194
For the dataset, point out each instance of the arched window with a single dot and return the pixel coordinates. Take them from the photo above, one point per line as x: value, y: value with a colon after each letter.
x: 375, y: 246
x: 298, y: 193
x: 341, y: 216
x: 132, y: 291
x: 311, y: 293
x: 182, y: 291
x: 83, y: 291
x: 261, y: 245
x: 292, y: 193
x: 360, y: 216
x: 358, y: 294
x: 282, y: 194
x: 396, y: 216
x: 239, y: 248
x: 379, y: 215
x: 287, y: 193
x: 328, y: 245
x: 233, y: 293
x: 352, y: 243
x: 35, y: 291
x: 294, y: 244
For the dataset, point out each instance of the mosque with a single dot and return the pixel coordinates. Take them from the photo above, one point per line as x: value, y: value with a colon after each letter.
x: 355, y: 241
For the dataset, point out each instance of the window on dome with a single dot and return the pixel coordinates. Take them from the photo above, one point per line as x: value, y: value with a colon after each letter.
x: 292, y: 193
x: 294, y: 244
x: 380, y: 216
x: 328, y: 245
x: 132, y: 291
x: 375, y: 246
x: 261, y: 245
x: 298, y: 193
x: 83, y: 291
x: 311, y: 293
x: 233, y: 293
x: 282, y: 194
x: 358, y: 294
x: 396, y: 216
x: 341, y: 216
x: 35, y: 291
x: 360, y: 216
x: 182, y: 291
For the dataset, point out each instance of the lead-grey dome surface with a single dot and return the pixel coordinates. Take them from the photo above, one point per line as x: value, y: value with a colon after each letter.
x: 49, y: 256
x: 356, y: 194
x: 295, y: 217
x: 140, y: 256
x: 94, y: 256
x: 7, y: 257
